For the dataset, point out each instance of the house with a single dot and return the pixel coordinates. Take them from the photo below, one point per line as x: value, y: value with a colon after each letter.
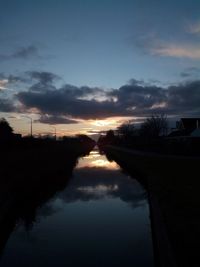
x: 189, y: 124
x: 187, y: 127
x: 185, y: 139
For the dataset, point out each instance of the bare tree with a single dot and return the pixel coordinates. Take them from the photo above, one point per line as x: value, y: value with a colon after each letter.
x: 155, y: 126
x: 126, y: 129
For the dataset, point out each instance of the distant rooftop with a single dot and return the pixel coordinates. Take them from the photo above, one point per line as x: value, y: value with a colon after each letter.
x: 189, y: 123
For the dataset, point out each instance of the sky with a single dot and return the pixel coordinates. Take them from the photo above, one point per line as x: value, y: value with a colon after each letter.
x: 84, y: 66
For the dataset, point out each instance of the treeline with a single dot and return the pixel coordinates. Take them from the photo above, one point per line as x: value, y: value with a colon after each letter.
x: 10, y: 141
x: 20, y: 154
x: 151, y: 136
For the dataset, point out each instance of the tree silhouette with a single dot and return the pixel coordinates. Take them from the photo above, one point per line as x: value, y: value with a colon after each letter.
x: 110, y: 135
x: 5, y: 129
x: 155, y: 126
x: 126, y: 129
x: 108, y: 139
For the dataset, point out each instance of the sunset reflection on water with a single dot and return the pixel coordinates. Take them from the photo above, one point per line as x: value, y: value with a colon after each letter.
x: 95, y: 159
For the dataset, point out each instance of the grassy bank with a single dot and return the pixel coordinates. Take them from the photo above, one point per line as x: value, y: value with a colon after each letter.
x: 175, y: 183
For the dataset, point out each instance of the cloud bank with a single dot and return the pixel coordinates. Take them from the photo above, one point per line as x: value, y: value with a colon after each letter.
x: 69, y: 104
x: 128, y: 100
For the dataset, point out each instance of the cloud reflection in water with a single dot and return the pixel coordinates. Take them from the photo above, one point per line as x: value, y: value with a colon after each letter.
x: 94, y: 159
x: 95, y: 178
x: 98, y: 178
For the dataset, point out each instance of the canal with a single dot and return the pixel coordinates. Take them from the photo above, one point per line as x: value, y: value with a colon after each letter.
x: 101, y: 218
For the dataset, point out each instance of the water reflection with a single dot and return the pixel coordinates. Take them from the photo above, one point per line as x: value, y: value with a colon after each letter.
x: 94, y: 159
x: 92, y: 183
x: 99, y: 189
x: 99, y: 218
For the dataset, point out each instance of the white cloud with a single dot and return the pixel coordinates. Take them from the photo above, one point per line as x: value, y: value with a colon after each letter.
x: 3, y: 84
x: 179, y: 51
x: 159, y: 47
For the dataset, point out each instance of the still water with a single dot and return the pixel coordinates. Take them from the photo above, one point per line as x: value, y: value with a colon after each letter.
x: 101, y: 219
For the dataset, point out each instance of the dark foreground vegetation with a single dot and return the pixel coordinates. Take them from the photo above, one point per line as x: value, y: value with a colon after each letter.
x: 31, y: 172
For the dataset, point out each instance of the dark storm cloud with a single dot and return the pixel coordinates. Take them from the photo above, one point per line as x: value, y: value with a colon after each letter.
x: 69, y: 100
x: 133, y: 99
x: 21, y: 53
x: 185, y: 98
x: 6, y: 105
x: 175, y: 100
x: 136, y: 96
x: 83, y: 91
x: 60, y: 102
x: 56, y: 120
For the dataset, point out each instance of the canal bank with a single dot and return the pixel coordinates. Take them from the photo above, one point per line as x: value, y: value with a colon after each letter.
x: 174, y: 183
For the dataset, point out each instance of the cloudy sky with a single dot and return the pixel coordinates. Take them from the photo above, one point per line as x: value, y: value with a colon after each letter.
x: 86, y: 65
